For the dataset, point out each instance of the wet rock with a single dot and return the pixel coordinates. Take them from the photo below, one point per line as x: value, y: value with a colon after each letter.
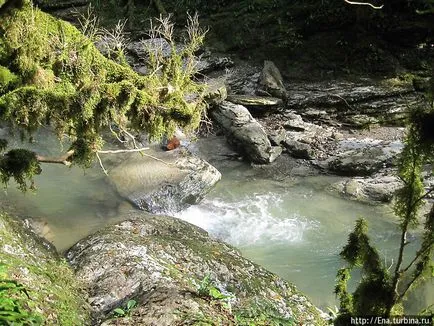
x: 270, y: 81
x: 378, y: 189
x: 168, y: 266
x: 245, y: 133
x: 363, y: 157
x: 166, y: 182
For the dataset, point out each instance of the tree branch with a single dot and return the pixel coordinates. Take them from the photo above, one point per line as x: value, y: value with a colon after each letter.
x: 415, y: 277
x: 119, y: 151
x: 364, y: 4
x: 59, y: 160
x: 417, y: 256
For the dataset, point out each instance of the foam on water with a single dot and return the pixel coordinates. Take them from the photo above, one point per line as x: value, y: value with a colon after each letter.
x: 252, y: 219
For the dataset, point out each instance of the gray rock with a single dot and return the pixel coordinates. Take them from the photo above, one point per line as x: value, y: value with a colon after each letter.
x: 245, y: 133
x: 354, y: 103
x: 208, y: 63
x: 299, y: 149
x: 271, y: 81
x: 161, y: 263
x: 305, y: 140
x: 166, y: 182
x: 378, y: 189
x: 141, y: 49
x: 363, y: 157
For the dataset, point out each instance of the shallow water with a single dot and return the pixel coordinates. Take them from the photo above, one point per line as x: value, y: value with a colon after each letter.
x: 292, y: 227
x: 295, y: 229
x: 71, y: 202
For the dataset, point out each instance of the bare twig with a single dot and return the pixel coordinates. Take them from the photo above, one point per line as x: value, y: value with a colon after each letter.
x: 119, y: 151
x: 345, y: 101
x: 116, y: 135
x: 101, y: 165
x: 364, y: 4
x: 140, y: 150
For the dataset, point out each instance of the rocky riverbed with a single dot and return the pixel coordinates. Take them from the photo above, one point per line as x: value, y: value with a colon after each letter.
x: 176, y: 273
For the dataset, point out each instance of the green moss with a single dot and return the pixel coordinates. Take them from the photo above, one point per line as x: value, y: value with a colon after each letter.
x: 52, y: 289
x: 7, y: 79
x: 54, y: 74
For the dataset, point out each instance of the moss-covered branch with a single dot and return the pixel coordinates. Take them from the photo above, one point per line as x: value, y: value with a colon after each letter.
x: 51, y: 74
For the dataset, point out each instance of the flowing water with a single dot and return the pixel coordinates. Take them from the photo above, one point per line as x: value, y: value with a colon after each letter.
x: 293, y: 227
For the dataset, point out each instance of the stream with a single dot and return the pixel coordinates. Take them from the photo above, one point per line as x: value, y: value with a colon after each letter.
x: 293, y: 227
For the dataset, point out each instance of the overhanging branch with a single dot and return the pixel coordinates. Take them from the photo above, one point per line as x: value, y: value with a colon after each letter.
x: 59, y: 160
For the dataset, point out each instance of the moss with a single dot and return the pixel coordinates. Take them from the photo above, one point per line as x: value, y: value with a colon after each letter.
x: 7, y: 79
x: 52, y: 289
x: 62, y: 79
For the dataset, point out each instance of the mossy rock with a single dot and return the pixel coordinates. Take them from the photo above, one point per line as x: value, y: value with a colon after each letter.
x: 181, y: 276
x: 52, y: 296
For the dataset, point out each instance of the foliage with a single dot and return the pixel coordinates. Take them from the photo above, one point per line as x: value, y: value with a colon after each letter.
x: 208, y: 289
x: 124, y: 312
x: 19, y: 164
x: 381, y: 291
x: 14, y: 300
x: 52, y: 74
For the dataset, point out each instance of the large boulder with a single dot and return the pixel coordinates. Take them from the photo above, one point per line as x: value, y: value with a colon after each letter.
x: 50, y: 295
x: 163, y: 182
x: 363, y: 157
x: 245, y: 133
x: 178, y: 275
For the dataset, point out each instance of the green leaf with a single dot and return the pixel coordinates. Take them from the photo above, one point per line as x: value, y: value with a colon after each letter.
x: 119, y: 311
x: 131, y: 304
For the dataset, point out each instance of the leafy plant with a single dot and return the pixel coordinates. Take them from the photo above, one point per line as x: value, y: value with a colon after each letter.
x: 208, y: 289
x: 123, y: 312
x: 14, y: 302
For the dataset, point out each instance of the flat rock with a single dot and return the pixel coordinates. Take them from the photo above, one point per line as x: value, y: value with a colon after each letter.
x: 254, y: 100
x: 363, y: 157
x: 377, y: 189
x: 165, y: 182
